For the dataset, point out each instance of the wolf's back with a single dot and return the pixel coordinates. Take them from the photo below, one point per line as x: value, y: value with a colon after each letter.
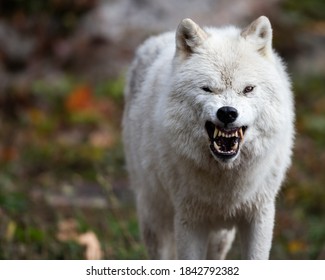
x: 145, y: 56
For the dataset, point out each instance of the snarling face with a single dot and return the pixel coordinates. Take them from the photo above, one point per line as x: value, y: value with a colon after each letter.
x: 224, y: 98
x: 230, y: 114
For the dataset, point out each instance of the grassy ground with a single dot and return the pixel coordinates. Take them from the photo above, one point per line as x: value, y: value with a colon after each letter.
x: 62, y: 175
x: 62, y: 164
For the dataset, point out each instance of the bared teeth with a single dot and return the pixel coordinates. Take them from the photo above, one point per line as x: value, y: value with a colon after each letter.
x: 216, y: 132
x: 235, y: 146
x: 216, y: 146
x: 241, y: 133
x: 219, y: 133
x: 226, y: 142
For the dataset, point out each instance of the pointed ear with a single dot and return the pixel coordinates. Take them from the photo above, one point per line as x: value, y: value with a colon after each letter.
x: 189, y: 36
x: 259, y: 34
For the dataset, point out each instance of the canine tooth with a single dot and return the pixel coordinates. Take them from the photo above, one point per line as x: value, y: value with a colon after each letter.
x: 216, y: 146
x: 241, y: 133
x: 216, y: 132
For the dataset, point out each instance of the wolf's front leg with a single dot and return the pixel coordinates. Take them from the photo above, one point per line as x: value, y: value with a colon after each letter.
x: 256, y: 233
x: 191, y: 241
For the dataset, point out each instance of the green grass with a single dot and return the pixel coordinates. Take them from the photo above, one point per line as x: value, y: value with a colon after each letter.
x: 57, y: 155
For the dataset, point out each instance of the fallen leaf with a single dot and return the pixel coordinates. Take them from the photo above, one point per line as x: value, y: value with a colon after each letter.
x: 93, y: 248
x: 68, y: 231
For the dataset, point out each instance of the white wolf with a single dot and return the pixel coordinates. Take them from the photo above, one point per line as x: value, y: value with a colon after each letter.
x: 208, y: 132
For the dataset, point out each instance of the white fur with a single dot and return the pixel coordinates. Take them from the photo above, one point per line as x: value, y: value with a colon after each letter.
x: 189, y: 201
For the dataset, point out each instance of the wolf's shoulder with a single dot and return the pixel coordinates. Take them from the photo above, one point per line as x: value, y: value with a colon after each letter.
x: 151, y: 49
x: 154, y: 45
x: 146, y: 54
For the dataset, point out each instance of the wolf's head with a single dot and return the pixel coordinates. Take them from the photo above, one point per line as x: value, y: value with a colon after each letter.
x: 230, y: 93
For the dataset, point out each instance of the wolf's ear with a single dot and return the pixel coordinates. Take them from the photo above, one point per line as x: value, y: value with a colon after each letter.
x: 259, y: 33
x: 188, y: 36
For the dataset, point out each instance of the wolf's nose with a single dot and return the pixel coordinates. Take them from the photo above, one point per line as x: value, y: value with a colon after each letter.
x: 227, y: 114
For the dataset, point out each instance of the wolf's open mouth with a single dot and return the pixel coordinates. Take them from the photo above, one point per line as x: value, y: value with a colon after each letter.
x: 225, y: 143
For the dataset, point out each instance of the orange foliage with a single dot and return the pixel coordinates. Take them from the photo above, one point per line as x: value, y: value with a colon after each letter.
x: 80, y: 99
x: 8, y: 153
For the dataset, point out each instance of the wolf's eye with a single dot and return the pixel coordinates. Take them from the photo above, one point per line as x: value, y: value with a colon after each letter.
x: 206, y: 89
x: 248, y: 89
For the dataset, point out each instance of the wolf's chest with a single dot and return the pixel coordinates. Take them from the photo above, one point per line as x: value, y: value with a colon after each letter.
x: 223, y: 208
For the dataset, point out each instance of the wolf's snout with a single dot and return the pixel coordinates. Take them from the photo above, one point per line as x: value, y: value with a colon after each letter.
x: 227, y: 114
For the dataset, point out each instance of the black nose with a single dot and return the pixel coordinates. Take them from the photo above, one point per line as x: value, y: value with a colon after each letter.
x: 227, y: 114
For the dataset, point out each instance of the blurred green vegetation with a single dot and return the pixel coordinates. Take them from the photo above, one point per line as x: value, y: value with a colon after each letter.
x: 50, y: 150
x: 306, y: 9
x: 62, y: 15
x: 300, y: 228
x: 62, y: 164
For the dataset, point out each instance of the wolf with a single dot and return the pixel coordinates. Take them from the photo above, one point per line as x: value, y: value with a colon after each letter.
x: 208, y: 130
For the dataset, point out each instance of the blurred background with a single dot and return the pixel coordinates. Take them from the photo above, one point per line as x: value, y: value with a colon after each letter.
x: 63, y: 186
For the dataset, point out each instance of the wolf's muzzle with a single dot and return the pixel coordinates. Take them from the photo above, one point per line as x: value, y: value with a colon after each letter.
x: 227, y: 114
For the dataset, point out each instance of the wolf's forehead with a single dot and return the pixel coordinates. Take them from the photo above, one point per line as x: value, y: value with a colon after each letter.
x: 227, y: 77
x: 229, y: 64
x: 225, y: 50
x: 224, y: 70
